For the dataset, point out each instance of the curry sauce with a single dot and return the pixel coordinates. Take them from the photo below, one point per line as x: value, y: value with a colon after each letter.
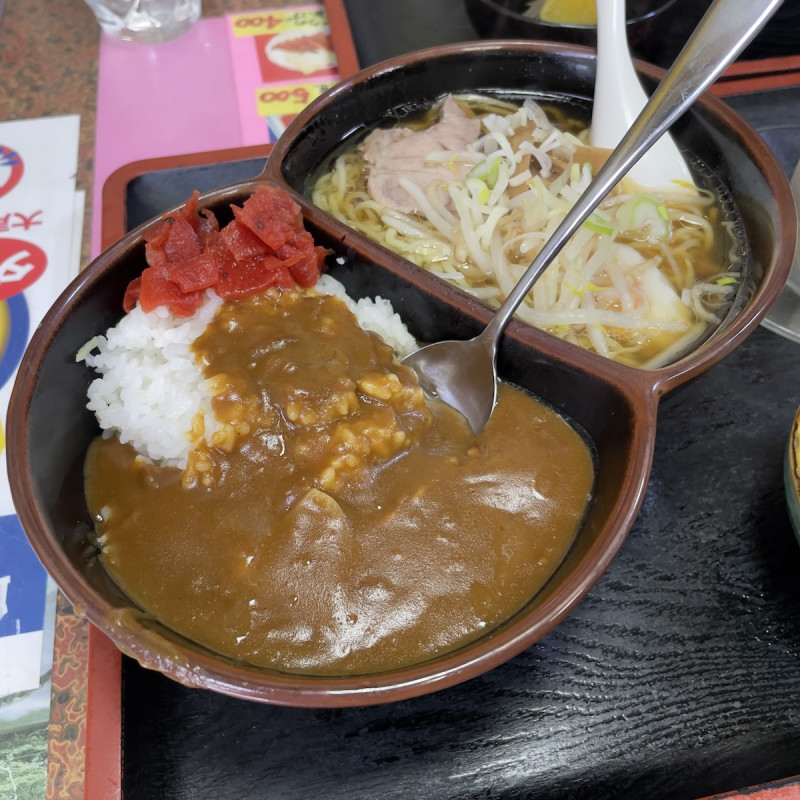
x: 337, y: 522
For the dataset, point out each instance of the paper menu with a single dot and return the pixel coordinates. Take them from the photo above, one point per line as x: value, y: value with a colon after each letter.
x: 41, y: 218
x: 41, y: 222
x: 282, y: 60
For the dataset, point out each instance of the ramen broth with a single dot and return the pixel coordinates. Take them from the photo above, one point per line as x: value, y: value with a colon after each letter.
x: 472, y: 187
x: 342, y: 524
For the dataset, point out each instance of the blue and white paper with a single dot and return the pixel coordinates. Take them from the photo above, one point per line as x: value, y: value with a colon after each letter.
x: 41, y: 222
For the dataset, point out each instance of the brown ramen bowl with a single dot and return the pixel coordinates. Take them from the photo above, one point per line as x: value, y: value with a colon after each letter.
x: 616, y: 406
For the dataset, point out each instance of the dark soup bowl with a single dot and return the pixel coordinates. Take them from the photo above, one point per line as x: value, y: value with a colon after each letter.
x: 613, y: 406
x: 506, y: 19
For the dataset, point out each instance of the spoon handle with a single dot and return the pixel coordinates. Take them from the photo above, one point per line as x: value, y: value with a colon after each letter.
x: 725, y: 30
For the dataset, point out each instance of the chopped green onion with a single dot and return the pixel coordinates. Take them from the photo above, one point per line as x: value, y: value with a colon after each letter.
x: 478, y: 189
x: 644, y: 214
x: 487, y: 171
x: 587, y: 286
x: 725, y: 280
x: 596, y: 224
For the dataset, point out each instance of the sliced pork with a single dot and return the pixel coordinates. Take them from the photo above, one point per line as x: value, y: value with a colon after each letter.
x: 401, y: 153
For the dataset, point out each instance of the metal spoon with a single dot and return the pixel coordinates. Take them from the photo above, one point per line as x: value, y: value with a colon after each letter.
x: 463, y: 373
x: 619, y: 98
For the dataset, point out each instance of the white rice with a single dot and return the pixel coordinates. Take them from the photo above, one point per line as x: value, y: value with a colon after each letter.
x: 375, y: 315
x: 151, y: 389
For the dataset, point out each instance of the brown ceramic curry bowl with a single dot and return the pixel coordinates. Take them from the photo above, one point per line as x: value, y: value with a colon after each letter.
x: 49, y: 427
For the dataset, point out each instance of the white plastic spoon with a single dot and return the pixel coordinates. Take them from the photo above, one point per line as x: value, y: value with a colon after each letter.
x: 619, y: 99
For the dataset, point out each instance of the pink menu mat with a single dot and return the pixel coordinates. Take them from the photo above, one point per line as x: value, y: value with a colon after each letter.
x: 167, y: 99
x: 229, y: 82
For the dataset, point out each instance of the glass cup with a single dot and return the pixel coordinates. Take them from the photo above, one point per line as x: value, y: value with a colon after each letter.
x: 148, y: 21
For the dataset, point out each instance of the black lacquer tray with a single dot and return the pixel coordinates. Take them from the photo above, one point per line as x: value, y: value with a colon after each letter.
x: 677, y: 677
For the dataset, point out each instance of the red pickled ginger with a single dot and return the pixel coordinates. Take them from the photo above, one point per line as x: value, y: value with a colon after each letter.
x: 264, y: 245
